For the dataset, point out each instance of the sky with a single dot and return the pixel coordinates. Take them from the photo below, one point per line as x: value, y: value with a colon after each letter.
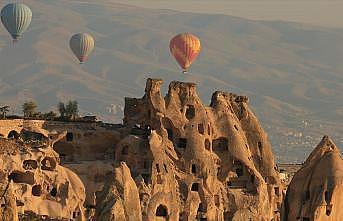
x: 326, y: 13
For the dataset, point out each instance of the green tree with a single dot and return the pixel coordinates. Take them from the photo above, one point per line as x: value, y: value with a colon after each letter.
x: 61, y: 109
x: 72, y: 110
x: 69, y: 111
x: 3, y: 111
x: 29, y: 109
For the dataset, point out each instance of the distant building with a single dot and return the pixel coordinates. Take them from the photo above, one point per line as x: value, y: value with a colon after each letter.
x: 89, y: 118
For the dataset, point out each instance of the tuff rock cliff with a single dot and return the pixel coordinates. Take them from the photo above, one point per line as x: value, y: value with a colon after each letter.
x: 33, y: 183
x: 191, y: 161
x: 316, y: 190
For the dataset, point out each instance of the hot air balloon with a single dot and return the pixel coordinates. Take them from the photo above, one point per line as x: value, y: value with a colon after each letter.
x: 16, y: 17
x: 82, y: 44
x: 185, y: 48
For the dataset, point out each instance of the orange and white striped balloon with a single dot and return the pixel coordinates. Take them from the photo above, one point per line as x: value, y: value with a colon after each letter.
x: 185, y: 48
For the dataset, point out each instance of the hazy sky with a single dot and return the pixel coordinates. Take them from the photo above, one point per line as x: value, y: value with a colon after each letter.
x: 318, y: 12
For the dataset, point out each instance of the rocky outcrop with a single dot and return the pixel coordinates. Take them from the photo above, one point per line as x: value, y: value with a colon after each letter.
x: 173, y: 158
x: 34, y: 180
x: 86, y: 148
x: 192, y: 161
x: 316, y: 190
x: 120, y: 198
x: 8, y: 207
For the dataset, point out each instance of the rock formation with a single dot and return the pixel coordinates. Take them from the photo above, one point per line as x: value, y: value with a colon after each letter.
x: 86, y: 148
x: 8, y: 207
x: 121, y: 199
x: 191, y: 161
x: 315, y: 192
x: 32, y: 180
x: 173, y: 158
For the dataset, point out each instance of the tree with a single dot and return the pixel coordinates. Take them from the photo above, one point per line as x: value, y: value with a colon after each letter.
x: 62, y: 109
x: 72, y: 110
x: 3, y: 111
x: 69, y: 111
x: 29, y: 109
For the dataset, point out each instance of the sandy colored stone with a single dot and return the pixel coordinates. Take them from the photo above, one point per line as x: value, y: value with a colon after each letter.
x: 192, y: 161
x: 119, y: 199
x: 38, y: 184
x: 8, y: 207
x: 315, y: 192
x: 173, y: 158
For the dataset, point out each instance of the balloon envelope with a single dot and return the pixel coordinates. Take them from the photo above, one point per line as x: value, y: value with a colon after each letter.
x: 185, y: 48
x: 82, y: 45
x: 16, y: 17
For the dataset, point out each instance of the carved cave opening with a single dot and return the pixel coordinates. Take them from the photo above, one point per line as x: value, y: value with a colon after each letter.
x: 207, y: 145
x: 162, y: 211
x: 76, y: 214
x: 182, y: 143
x: 48, y: 163
x: 190, y: 112
x: 327, y: 197
x: 168, y: 125
x: 37, y: 190
x: 70, y: 136
x: 30, y: 164
x: 20, y: 177
x: 328, y: 210
x: 13, y: 135
x: 239, y: 172
x: 194, y: 169
x: 170, y: 134
x: 195, y: 187
x: 217, y: 200
x: 220, y: 144
x: 201, y: 129
x: 53, y: 192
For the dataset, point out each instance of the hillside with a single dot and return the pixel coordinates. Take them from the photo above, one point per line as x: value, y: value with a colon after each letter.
x: 291, y: 72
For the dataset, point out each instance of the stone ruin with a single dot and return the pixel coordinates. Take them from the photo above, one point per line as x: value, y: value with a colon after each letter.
x: 172, y: 159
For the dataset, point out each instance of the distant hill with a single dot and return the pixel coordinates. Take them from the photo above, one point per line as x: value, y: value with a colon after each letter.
x: 291, y: 72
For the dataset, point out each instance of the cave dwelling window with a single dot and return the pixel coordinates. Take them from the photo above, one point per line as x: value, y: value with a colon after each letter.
x: 158, y: 168
x: 190, y: 112
x: 201, y: 129
x: 182, y: 143
x: 194, y: 169
x: 170, y: 134
x: 70, y: 136
x: 220, y: 144
x: 195, y: 187
x: 239, y: 172
x: 162, y: 211
x: 207, y: 144
x: 36, y: 190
